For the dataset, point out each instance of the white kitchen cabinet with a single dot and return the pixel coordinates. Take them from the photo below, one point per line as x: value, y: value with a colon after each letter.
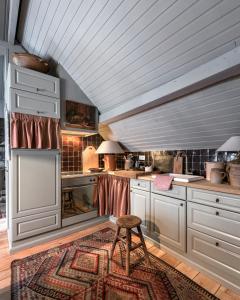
x: 215, y: 255
x: 140, y: 206
x: 33, y: 81
x: 35, y: 183
x: 220, y: 223
x: 33, y: 104
x: 168, y: 218
x: 25, y: 227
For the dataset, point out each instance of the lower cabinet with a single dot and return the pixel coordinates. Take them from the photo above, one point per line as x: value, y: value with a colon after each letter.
x: 25, y: 227
x: 140, y: 206
x: 168, y: 220
x: 34, y: 192
x: 215, y: 254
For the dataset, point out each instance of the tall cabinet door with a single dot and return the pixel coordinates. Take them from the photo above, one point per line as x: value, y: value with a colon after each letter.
x: 34, y: 182
x: 140, y: 206
x: 168, y: 218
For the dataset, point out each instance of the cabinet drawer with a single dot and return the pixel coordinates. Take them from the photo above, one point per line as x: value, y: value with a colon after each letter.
x: 216, y: 222
x: 219, y: 200
x: 33, y: 104
x: 175, y: 192
x: 140, y: 184
x: 214, y: 254
x: 32, y: 81
x: 36, y: 224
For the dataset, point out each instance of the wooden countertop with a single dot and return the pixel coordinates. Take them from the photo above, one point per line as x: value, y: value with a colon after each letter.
x: 204, y: 185
x: 132, y: 174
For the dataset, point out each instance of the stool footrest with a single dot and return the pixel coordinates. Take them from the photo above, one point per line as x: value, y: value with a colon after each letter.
x: 122, y: 239
x: 136, y: 246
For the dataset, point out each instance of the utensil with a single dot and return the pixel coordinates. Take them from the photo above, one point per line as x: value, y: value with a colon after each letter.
x: 210, y: 165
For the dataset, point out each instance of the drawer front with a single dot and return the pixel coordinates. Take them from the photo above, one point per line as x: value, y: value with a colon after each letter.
x: 216, y: 222
x: 32, y: 81
x: 176, y: 191
x: 85, y: 180
x: 220, y: 200
x: 33, y: 104
x: 36, y: 224
x: 140, y: 184
x: 214, y: 254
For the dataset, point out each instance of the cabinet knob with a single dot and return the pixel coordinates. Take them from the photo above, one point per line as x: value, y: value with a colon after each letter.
x: 138, y: 184
x: 217, y: 213
x: 217, y: 244
x: 217, y: 200
x: 181, y: 204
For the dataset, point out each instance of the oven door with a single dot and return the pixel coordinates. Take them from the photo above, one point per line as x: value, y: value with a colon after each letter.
x: 78, y: 204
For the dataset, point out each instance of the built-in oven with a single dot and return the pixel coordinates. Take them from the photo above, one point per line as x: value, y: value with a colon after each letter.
x: 78, y: 199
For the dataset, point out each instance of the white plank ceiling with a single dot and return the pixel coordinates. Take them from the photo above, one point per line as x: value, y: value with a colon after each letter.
x: 116, y: 50
x: 205, y: 119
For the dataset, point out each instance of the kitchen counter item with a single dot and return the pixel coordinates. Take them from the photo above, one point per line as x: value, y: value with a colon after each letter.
x: 234, y: 174
x: 89, y: 159
x: 178, y: 164
x: 216, y: 165
x: 184, y: 178
x: 210, y: 165
x: 30, y: 61
x: 202, y: 184
x: 217, y: 176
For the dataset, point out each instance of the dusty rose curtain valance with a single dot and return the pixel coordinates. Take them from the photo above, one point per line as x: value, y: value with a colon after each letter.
x: 34, y: 132
x: 113, y: 195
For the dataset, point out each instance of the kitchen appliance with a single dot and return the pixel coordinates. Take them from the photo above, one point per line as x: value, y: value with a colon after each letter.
x: 78, y: 194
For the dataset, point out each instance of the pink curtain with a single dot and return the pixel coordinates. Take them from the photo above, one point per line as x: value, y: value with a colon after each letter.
x: 34, y: 132
x: 113, y: 195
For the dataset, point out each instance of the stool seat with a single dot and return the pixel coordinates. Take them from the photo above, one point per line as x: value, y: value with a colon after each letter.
x: 128, y: 221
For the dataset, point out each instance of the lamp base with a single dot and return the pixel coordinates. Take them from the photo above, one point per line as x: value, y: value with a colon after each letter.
x: 109, y: 162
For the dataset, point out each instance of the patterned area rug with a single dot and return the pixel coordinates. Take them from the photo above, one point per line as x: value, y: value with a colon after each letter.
x: 82, y: 270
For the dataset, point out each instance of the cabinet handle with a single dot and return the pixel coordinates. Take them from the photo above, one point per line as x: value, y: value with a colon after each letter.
x: 217, y: 213
x: 217, y: 244
x: 41, y: 112
x: 217, y: 200
x: 39, y: 90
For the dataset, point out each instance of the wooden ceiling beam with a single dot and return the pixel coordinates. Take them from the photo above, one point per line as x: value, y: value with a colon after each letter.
x: 212, y: 72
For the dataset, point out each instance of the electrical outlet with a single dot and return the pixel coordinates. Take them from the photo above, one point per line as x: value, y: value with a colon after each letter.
x: 141, y: 157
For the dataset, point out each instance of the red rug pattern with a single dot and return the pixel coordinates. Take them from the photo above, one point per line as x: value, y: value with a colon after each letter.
x: 82, y: 270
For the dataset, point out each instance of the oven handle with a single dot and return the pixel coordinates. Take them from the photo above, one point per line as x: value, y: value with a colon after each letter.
x: 69, y: 188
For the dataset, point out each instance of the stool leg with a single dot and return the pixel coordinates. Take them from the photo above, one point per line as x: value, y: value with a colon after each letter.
x: 143, y: 244
x: 128, y: 246
x: 115, y: 241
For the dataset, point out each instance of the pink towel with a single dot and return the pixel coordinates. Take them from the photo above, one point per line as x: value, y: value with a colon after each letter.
x: 163, y: 182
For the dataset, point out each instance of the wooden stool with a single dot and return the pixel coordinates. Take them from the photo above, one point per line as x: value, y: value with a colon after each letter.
x: 128, y: 222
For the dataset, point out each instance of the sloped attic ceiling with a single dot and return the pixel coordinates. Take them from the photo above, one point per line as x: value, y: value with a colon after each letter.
x: 116, y: 50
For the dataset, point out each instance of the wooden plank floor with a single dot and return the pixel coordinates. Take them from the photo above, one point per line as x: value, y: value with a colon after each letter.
x: 5, y: 262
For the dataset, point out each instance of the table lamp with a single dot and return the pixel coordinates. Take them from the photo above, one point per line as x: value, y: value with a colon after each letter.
x: 109, y: 149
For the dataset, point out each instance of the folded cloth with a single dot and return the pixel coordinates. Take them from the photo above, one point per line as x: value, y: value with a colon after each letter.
x: 163, y: 182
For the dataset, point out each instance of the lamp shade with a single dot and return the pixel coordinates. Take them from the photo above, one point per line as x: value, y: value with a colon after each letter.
x: 231, y: 145
x: 109, y: 147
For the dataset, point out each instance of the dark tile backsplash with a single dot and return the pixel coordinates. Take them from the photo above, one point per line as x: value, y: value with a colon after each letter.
x: 72, y: 147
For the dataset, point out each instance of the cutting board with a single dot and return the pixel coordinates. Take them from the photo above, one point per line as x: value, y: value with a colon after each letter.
x: 89, y: 158
x: 178, y: 165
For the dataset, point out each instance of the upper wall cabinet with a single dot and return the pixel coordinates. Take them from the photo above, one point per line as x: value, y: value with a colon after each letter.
x: 32, y: 81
